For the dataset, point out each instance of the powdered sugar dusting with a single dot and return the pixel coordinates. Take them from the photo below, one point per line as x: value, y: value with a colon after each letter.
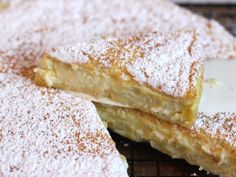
x: 81, y: 52
x: 132, y: 16
x: 25, y: 37
x: 46, y: 132
x: 219, y: 126
x: 163, y: 61
x: 166, y: 63
x: 76, y: 21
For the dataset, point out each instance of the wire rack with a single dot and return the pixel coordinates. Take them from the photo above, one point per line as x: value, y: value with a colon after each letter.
x: 145, y: 161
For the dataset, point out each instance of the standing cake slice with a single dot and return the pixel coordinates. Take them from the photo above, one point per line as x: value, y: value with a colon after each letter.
x: 209, y: 143
x: 156, y: 73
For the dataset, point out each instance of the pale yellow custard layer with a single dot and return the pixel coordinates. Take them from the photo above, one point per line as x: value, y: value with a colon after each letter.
x: 98, y: 84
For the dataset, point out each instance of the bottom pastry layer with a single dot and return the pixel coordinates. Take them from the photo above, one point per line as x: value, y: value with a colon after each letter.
x: 210, y: 143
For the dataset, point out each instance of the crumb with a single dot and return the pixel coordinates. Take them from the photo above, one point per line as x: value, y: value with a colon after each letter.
x: 211, y: 82
x: 124, y: 77
x: 126, y: 144
x: 200, y: 169
x: 194, y: 174
x: 105, y: 124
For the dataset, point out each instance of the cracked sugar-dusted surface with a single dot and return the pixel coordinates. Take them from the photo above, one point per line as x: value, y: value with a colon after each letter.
x: 53, y: 23
x: 219, y: 126
x: 46, y: 132
x: 168, y: 62
x: 24, y: 39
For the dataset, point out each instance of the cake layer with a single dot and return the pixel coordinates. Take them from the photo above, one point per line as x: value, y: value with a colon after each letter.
x: 158, y: 73
x: 209, y: 143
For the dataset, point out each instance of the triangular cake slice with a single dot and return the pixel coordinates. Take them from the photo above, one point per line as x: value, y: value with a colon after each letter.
x: 46, y: 132
x: 209, y: 143
x: 158, y: 73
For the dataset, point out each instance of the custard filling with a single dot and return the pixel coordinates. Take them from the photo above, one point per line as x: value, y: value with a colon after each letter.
x: 99, y: 85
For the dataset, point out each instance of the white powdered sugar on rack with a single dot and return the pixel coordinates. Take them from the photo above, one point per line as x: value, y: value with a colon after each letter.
x: 46, y: 132
x: 170, y: 63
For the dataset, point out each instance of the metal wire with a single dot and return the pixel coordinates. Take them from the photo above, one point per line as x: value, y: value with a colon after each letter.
x: 145, y: 161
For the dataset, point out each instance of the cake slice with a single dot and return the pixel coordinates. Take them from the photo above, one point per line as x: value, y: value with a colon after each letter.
x: 209, y: 143
x: 157, y: 73
x: 46, y: 132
